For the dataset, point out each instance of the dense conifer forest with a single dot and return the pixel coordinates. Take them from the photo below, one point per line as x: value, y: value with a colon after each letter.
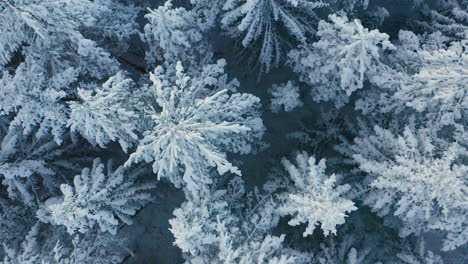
x: 233, y: 131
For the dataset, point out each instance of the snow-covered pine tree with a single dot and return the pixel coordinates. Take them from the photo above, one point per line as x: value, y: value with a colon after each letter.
x: 268, y: 26
x: 32, y: 168
x: 225, y: 228
x: 269, y: 249
x: 285, y: 96
x: 116, y: 24
x: 416, y: 178
x: 314, y: 197
x: 51, y: 245
x: 47, y: 41
x: 173, y: 34
x: 337, y: 65
x: 422, y: 77
x: 194, y: 225
x: 104, y: 114
x: 361, y: 240
x: 418, y: 254
x: 37, y: 103
x: 97, y: 198
x: 438, y: 90
x: 93, y: 247
x: 207, y: 12
x: 47, y: 23
x: 196, y: 120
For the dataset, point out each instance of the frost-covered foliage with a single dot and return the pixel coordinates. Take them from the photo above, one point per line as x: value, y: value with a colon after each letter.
x: 97, y: 198
x: 268, y: 250
x: 417, y: 179
x: 98, y: 248
x: 338, y: 64
x: 115, y: 26
x: 47, y: 23
x: 285, y: 96
x: 419, y: 255
x: 15, y: 221
x: 172, y: 35
x: 207, y: 12
x: 426, y: 77
x: 38, y: 103
x: 194, y: 225
x: 28, y: 253
x: 315, y: 197
x: 261, y: 23
x: 439, y: 88
x: 43, y: 245
x: 33, y: 168
x: 334, y: 251
x: 103, y: 114
x: 198, y: 120
x: 219, y: 229
x: 451, y: 18
x: 45, y: 47
x: 386, y: 121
